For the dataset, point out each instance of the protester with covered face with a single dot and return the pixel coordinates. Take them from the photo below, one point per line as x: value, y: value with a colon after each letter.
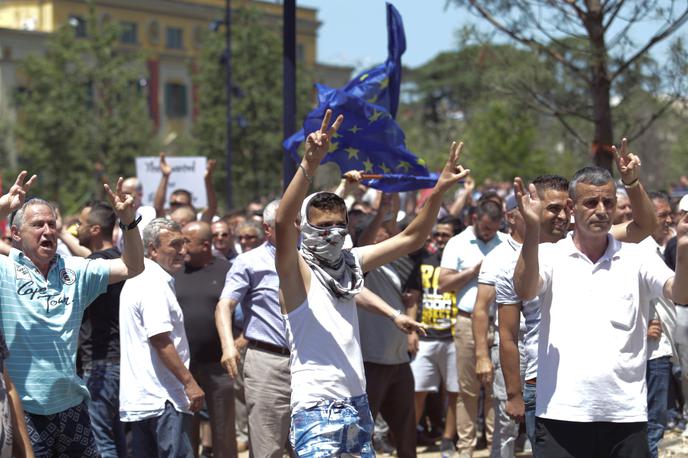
x: 318, y: 284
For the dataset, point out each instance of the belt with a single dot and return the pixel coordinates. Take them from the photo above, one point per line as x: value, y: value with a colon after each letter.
x: 532, y: 381
x: 257, y: 344
x: 465, y: 314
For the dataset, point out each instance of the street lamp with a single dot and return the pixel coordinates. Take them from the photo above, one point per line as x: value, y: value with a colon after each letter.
x: 227, y: 61
x: 288, y: 84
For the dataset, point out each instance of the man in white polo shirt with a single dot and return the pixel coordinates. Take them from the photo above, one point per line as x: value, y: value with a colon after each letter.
x: 594, y: 297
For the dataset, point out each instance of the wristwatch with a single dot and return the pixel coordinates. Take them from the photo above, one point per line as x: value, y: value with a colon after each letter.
x: 132, y: 225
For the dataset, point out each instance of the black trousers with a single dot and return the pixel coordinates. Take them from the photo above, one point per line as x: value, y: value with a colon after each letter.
x: 391, y: 392
x: 571, y: 439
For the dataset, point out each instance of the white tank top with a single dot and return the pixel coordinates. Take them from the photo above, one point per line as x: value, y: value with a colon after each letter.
x: 325, y: 361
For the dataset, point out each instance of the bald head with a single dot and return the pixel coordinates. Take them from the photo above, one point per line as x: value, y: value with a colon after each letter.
x: 199, y: 239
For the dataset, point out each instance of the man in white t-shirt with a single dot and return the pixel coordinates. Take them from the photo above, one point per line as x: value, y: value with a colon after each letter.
x: 318, y: 285
x: 594, y: 302
x: 157, y: 392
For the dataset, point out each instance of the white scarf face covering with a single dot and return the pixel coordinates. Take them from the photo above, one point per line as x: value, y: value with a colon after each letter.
x: 336, y: 269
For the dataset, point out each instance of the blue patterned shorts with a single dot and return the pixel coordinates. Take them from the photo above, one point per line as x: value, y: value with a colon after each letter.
x: 333, y: 428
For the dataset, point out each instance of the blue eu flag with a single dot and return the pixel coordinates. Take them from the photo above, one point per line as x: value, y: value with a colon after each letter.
x: 370, y: 140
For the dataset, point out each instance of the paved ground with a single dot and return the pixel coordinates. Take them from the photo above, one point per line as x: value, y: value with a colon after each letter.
x: 673, y: 445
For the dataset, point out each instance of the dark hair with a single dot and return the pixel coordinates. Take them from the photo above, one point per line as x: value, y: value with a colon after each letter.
x: 456, y: 223
x: 327, y: 201
x: 659, y: 195
x: 551, y: 182
x: 592, y: 175
x: 491, y: 196
x: 184, y: 192
x: 490, y: 209
x: 104, y: 216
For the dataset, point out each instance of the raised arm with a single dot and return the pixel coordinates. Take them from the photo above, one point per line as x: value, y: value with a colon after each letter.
x: 15, y: 196
x: 481, y: 323
x: 292, y: 270
x: 527, y: 279
x: 464, y: 198
x: 644, y: 217
x: 224, y: 311
x: 211, y: 197
x: 413, y: 237
x: 131, y: 262
x: 676, y: 289
x: 161, y: 192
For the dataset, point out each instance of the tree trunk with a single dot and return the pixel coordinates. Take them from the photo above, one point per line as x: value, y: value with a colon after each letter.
x: 600, y: 88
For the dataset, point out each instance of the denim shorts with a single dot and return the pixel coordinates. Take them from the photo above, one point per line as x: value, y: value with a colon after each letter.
x: 333, y: 428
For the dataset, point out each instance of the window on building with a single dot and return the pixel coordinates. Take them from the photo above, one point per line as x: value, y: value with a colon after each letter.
x: 174, y: 38
x: 130, y: 32
x: 78, y: 23
x: 300, y: 52
x: 176, y: 105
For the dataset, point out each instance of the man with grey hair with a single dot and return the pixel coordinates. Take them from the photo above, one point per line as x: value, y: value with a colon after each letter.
x: 252, y: 283
x: 591, y: 392
x: 157, y: 392
x: 43, y: 298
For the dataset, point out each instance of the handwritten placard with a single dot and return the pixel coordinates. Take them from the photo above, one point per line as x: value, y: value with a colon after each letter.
x: 187, y: 173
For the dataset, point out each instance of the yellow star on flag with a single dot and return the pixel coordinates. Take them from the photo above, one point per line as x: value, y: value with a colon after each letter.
x: 373, y: 99
x: 404, y: 165
x: 384, y: 168
x: 336, y: 135
x: 353, y: 152
x: 367, y: 165
x: 354, y: 129
x: 375, y: 116
x: 384, y: 83
x: 333, y: 147
x: 421, y: 161
x: 363, y: 77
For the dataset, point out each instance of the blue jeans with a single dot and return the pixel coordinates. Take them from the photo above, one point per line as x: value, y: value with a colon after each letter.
x: 332, y: 428
x: 163, y: 436
x: 529, y: 402
x: 102, y: 380
x: 657, y: 377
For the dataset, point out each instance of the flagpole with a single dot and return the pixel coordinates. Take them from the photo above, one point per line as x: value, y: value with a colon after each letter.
x: 288, y: 84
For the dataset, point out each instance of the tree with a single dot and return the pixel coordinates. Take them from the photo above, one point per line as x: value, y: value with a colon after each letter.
x: 591, y: 43
x: 256, y: 105
x: 456, y: 95
x: 81, y: 110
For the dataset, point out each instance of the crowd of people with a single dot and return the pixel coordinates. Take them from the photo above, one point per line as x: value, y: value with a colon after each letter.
x: 547, y: 314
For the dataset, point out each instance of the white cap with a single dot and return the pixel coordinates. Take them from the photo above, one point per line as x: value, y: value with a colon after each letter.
x: 683, y: 204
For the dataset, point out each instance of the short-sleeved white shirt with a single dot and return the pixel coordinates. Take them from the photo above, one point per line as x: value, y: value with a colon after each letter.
x: 464, y: 251
x: 530, y: 312
x: 148, y: 307
x: 592, y: 348
x: 493, y: 263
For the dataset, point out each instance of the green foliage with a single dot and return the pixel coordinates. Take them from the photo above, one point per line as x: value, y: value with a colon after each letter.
x: 256, y: 66
x: 82, y: 108
x: 467, y: 95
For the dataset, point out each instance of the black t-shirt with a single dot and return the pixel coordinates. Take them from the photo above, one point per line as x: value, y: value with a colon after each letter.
x: 437, y: 311
x: 99, y: 333
x: 198, y: 290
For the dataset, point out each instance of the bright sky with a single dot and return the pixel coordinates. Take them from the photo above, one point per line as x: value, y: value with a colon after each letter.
x: 353, y: 32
